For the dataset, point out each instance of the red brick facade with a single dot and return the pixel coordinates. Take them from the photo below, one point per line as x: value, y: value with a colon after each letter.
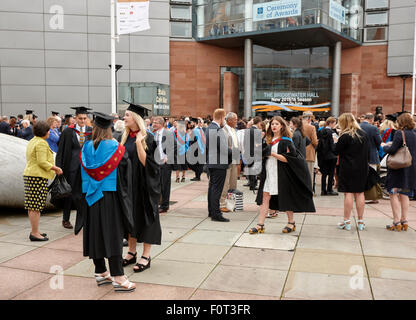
x: 195, y: 72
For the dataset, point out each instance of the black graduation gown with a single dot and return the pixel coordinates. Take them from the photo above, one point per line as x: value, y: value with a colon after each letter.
x: 146, y: 193
x: 68, y: 159
x: 295, y: 187
x: 105, y: 222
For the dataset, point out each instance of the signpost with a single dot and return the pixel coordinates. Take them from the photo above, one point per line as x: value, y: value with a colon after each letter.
x: 132, y: 16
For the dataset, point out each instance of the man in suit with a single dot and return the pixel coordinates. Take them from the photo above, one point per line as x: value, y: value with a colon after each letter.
x: 218, y: 159
x: 374, y: 139
x: 198, y: 142
x: 68, y: 159
x: 310, y: 131
x: 166, y: 149
x: 4, y: 125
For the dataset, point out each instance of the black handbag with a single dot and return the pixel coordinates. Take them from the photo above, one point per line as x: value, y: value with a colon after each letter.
x: 59, y: 188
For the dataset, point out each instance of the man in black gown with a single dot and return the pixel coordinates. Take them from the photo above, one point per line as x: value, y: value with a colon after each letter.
x: 219, y: 157
x: 67, y: 158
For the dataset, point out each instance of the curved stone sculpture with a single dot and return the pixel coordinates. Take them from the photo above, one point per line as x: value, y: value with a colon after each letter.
x: 12, y: 166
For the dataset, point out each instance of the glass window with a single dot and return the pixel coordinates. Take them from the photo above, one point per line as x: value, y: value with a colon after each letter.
x: 181, y: 1
x: 377, y: 18
x: 180, y: 12
x: 181, y: 29
x: 376, y: 4
x: 375, y: 34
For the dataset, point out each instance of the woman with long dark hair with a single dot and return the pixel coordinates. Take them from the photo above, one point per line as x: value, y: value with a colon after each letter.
x: 285, y: 183
x: 105, y: 209
x: 299, y: 139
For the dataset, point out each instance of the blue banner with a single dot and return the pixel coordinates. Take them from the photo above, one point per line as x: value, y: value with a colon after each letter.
x: 337, y: 11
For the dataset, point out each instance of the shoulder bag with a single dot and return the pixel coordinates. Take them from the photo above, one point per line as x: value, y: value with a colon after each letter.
x: 402, y: 158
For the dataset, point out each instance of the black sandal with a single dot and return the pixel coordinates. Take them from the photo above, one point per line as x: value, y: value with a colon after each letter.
x: 257, y: 230
x: 130, y: 261
x: 183, y: 179
x: 177, y: 180
x: 289, y: 230
x: 142, y: 267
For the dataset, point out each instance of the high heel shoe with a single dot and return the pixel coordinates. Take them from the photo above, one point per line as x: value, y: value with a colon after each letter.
x: 183, y: 179
x: 395, y: 226
x: 289, y: 230
x: 360, y: 225
x: 142, y: 267
x: 405, y: 225
x: 346, y: 225
x: 257, y: 230
x: 130, y: 261
x: 177, y: 180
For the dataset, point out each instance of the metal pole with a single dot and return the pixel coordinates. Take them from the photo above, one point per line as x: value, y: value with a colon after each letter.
x: 113, y: 58
x: 248, y: 77
x: 336, y: 79
x: 414, y: 68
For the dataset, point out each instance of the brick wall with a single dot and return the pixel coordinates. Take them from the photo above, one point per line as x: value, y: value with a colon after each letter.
x: 195, y: 72
x: 230, y: 93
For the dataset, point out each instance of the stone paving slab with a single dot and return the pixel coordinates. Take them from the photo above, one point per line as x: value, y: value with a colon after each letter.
x: 268, y: 241
x: 211, y: 237
x: 318, y: 286
x: 246, y: 280
x: 335, y: 245
x: 202, y: 294
x: 391, y: 268
x: 394, y: 249
x: 233, y: 225
x: 386, y: 289
x: 179, y: 222
x: 8, y: 251
x: 22, y: 237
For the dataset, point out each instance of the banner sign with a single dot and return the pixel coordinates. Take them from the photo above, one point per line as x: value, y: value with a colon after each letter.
x: 277, y: 9
x: 132, y: 16
x: 337, y: 11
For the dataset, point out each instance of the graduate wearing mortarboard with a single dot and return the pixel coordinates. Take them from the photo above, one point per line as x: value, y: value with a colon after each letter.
x: 105, y: 211
x: 67, y: 158
x: 140, y: 146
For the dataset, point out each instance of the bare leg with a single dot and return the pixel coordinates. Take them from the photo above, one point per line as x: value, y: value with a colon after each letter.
x: 348, y: 204
x: 359, y: 204
x: 290, y: 216
x: 34, y: 217
x: 132, y: 247
x: 395, y: 207
x: 264, y: 208
x: 183, y: 174
x: 404, y: 202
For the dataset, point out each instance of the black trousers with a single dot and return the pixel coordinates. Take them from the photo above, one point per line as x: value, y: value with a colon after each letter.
x: 328, y: 172
x: 252, y: 180
x: 165, y: 182
x: 67, y: 209
x: 216, y: 184
x: 115, y: 263
x: 198, y: 169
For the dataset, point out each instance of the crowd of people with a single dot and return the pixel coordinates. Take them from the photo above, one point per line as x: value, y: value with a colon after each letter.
x: 120, y: 171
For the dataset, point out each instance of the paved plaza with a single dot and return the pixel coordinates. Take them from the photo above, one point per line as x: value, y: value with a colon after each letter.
x: 202, y: 259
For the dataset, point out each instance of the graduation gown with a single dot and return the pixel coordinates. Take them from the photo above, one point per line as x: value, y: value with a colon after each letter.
x: 294, y: 187
x: 105, y: 221
x: 67, y: 158
x: 146, y: 193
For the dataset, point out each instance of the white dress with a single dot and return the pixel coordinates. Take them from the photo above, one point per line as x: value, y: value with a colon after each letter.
x: 271, y: 183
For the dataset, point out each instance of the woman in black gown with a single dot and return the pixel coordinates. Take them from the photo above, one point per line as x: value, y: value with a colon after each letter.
x: 140, y: 146
x: 105, y: 207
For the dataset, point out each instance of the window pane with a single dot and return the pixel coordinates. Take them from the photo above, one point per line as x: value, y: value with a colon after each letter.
x: 376, y: 34
x: 378, y: 18
x: 181, y: 29
x: 377, y: 4
x: 181, y: 1
x: 180, y: 12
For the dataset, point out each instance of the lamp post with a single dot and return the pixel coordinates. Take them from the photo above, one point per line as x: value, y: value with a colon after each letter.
x: 404, y: 77
x: 118, y: 67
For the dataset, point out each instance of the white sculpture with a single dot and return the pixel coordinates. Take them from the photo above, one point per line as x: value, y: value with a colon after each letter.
x: 12, y: 166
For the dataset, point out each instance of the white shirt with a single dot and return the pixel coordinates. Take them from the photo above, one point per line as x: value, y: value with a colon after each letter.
x: 233, y: 135
x: 159, y: 136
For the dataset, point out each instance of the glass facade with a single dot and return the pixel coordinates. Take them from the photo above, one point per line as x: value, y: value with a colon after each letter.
x: 294, y: 77
x: 215, y: 19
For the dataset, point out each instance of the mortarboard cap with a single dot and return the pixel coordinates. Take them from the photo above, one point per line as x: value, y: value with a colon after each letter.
x: 140, y: 110
x: 35, y: 116
x: 392, y: 117
x: 29, y: 111
x: 54, y: 113
x: 102, y: 120
x: 81, y: 110
x: 194, y: 120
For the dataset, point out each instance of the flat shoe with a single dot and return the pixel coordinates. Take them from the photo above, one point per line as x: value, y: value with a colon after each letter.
x: 33, y: 238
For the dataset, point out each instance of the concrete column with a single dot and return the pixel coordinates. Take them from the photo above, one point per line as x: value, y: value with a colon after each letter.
x: 248, y: 77
x: 336, y: 79
x: 200, y: 19
x: 248, y: 15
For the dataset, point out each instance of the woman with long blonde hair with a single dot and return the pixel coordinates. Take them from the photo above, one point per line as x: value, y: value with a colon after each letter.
x: 141, y: 147
x: 387, y: 130
x: 285, y: 183
x: 353, y: 150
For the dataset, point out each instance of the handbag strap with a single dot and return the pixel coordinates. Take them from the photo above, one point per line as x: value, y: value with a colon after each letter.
x: 404, y: 138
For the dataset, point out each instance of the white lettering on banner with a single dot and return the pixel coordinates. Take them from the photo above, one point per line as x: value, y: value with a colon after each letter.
x: 297, y: 97
x: 132, y: 16
x: 277, y: 9
x: 57, y: 20
x: 337, y: 11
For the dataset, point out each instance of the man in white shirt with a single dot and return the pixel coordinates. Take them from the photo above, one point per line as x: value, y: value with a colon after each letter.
x: 231, y: 177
